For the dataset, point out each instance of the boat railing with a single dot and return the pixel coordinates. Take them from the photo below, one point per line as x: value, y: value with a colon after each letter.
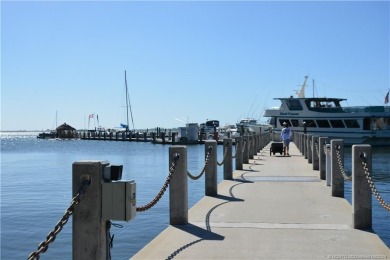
x: 367, y: 109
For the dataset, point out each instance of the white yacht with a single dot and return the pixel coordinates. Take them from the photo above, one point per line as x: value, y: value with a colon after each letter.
x: 252, y: 125
x: 328, y: 118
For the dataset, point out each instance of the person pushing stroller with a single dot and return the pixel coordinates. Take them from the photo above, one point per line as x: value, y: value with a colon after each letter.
x: 285, y: 137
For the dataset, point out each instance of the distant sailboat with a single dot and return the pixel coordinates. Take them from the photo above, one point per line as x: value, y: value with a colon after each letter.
x: 51, y: 134
x: 128, y: 107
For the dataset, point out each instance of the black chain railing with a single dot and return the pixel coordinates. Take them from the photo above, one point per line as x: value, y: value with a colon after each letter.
x: 210, y: 148
x: 237, y: 145
x: 224, y: 155
x: 374, y: 190
x: 43, y: 246
x: 340, y: 163
x: 164, y: 187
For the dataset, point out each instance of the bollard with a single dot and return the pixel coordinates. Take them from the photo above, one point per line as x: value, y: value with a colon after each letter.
x: 228, y: 164
x: 315, y: 152
x: 257, y: 144
x: 239, y: 146
x: 178, y: 188
x: 250, y: 147
x: 307, y: 146
x: 173, y: 138
x: 211, y: 181
x: 89, y: 237
x: 328, y: 170
x: 310, y: 148
x: 245, y: 153
x: 361, y: 191
x: 322, y: 141
x: 337, y: 179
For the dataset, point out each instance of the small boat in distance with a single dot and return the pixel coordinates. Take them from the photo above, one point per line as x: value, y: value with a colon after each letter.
x: 328, y: 118
x: 252, y: 125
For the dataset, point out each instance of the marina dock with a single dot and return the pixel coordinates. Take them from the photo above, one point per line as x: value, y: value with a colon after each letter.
x: 276, y: 207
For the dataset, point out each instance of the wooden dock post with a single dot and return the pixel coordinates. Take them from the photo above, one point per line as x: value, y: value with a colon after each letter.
x: 310, y: 148
x: 306, y: 146
x: 328, y: 166
x: 89, y: 237
x: 337, y: 179
x: 245, y: 153
x: 315, y: 152
x: 251, y: 146
x: 361, y: 191
x: 239, y: 146
x: 257, y: 146
x: 173, y: 138
x: 322, y: 141
x: 211, y: 181
x: 228, y: 164
x: 178, y: 188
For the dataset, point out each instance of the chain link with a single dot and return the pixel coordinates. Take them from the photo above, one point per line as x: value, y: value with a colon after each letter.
x: 163, y: 189
x: 237, y: 145
x: 373, y: 188
x: 244, y: 146
x: 317, y: 148
x: 43, y: 246
x: 224, y: 157
x: 204, y: 167
x: 345, y: 176
x: 326, y: 149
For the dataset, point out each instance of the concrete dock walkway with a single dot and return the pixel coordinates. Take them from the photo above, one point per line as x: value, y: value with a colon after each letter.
x: 276, y: 208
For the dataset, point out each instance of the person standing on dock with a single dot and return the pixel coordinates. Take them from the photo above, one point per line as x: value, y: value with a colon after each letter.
x: 285, y: 136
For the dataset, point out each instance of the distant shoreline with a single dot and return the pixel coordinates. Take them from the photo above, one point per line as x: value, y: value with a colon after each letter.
x: 14, y: 131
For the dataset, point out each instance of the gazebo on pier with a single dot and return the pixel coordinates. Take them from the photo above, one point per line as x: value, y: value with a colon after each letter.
x: 66, y: 131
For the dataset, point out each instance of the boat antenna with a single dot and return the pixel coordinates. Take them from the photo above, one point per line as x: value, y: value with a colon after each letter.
x: 128, y: 105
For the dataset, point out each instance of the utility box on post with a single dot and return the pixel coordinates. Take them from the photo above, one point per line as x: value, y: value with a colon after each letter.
x: 118, y: 200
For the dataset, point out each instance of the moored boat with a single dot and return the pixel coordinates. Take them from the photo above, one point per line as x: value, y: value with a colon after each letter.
x: 327, y: 117
x: 252, y: 125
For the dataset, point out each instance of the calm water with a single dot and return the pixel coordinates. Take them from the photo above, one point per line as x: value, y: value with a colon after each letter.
x: 36, y: 178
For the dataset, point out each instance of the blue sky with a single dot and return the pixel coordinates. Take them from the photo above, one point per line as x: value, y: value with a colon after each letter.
x: 185, y: 61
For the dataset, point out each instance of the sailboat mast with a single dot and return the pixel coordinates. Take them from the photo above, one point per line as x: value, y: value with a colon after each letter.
x: 127, y: 104
x: 313, y: 88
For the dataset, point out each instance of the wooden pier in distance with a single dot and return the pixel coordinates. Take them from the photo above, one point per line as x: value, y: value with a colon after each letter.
x: 277, y: 207
x: 164, y: 138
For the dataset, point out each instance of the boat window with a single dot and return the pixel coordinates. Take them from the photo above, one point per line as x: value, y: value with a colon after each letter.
x: 337, y: 123
x: 294, y: 104
x: 272, y: 121
x: 351, y: 123
x: 323, y: 123
x: 366, y: 123
x: 294, y: 122
x: 310, y: 123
